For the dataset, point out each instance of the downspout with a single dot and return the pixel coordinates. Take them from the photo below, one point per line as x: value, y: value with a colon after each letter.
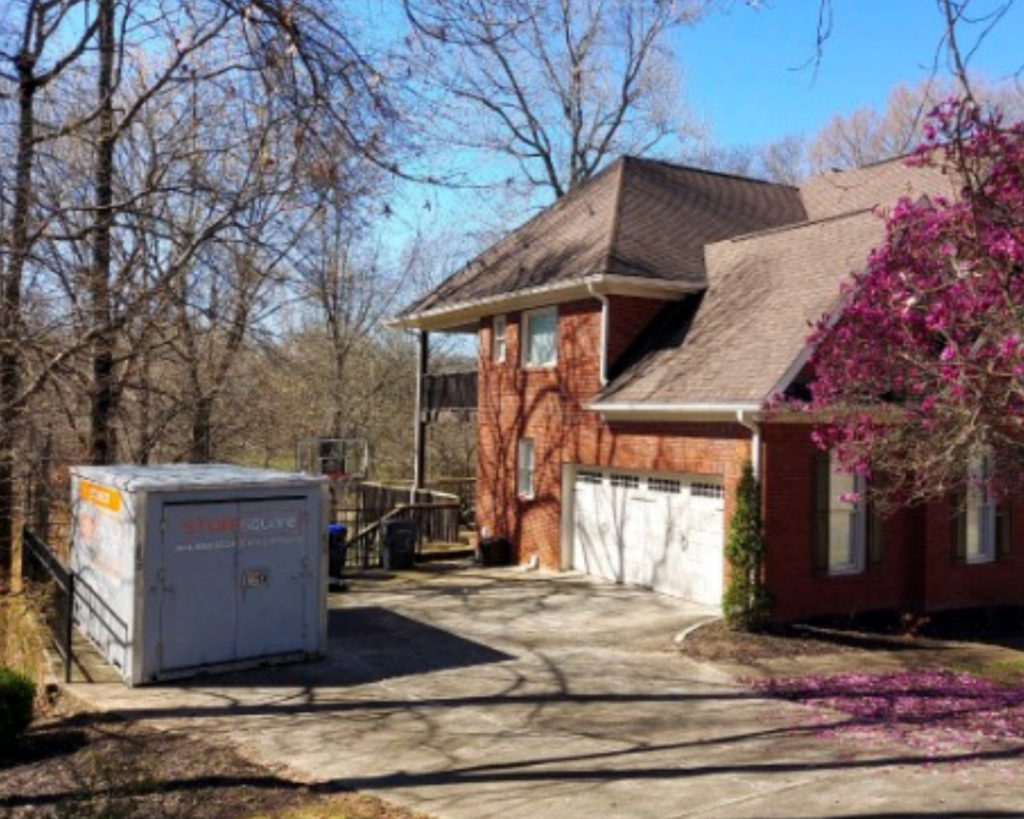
x: 601, y: 297
x: 743, y: 417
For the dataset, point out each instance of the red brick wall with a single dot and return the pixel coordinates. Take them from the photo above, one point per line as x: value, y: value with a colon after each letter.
x: 547, y: 406
x: 917, y: 572
x: 949, y: 584
x: 788, y: 504
x: 628, y: 317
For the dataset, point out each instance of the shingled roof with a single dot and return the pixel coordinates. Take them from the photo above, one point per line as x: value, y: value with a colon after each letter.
x: 639, y: 219
x: 880, y: 184
x: 734, y: 342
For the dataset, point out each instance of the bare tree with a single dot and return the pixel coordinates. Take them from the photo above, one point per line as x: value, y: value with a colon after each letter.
x: 557, y: 88
x: 36, y: 59
x: 781, y: 160
x: 868, y: 135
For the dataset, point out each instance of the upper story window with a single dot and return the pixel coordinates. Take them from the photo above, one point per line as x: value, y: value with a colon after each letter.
x: 841, y: 518
x: 498, y: 342
x: 540, y: 337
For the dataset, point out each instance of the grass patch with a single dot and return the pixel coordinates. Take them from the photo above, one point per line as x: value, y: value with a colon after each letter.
x: 23, y: 641
x: 1004, y: 672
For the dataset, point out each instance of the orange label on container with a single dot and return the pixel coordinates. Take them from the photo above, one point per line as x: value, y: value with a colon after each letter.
x: 101, y: 496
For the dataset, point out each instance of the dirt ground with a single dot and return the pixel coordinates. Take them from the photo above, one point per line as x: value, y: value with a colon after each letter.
x: 716, y: 642
x: 84, y: 765
x: 971, y: 640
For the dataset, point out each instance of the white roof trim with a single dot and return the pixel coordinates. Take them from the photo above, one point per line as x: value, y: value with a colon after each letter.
x: 793, y: 371
x: 649, y: 411
x: 805, y: 354
x: 465, y: 312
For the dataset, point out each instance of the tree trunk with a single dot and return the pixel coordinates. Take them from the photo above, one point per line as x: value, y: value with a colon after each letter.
x: 11, y: 409
x: 201, y: 450
x: 103, y: 411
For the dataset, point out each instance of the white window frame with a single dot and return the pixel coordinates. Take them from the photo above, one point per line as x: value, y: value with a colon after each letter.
x: 499, y: 343
x: 526, y: 467
x: 981, y: 512
x: 855, y: 545
x: 527, y: 348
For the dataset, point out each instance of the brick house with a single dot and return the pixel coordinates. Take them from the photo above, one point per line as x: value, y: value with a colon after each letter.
x: 629, y: 336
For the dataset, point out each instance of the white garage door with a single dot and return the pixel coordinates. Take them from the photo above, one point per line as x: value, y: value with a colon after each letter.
x: 664, y: 532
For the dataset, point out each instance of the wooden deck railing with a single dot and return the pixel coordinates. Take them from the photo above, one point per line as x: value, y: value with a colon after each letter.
x: 449, y: 391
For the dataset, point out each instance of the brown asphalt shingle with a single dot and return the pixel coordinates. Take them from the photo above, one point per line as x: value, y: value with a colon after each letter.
x: 753, y: 320
x: 735, y: 341
x: 636, y: 218
x: 769, y: 259
x: 881, y: 184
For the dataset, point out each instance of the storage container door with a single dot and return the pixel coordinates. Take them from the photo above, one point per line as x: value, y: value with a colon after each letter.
x: 198, y: 601
x: 274, y: 575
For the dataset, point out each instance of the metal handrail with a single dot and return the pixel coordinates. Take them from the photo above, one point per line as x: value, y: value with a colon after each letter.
x: 35, y: 551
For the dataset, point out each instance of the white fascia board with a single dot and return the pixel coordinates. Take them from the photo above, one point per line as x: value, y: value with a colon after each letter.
x: 648, y: 411
x: 467, y: 312
x: 793, y: 371
x: 805, y: 354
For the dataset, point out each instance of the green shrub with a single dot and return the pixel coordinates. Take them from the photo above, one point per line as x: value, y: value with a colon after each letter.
x: 746, y: 603
x: 17, y: 695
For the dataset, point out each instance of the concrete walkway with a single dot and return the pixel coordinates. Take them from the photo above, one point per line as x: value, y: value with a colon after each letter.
x: 479, y: 694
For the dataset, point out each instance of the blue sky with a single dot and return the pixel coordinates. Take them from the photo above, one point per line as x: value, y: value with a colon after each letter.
x: 744, y: 81
x: 740, y: 65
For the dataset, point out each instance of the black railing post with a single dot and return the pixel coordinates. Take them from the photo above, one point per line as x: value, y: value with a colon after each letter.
x: 68, y: 635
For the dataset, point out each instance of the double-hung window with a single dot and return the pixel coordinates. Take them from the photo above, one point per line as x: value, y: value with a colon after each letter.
x: 524, y: 478
x: 980, y: 513
x: 540, y: 337
x: 841, y: 518
x: 498, y: 344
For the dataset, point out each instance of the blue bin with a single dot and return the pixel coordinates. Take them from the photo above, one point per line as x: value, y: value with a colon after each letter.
x: 337, y: 542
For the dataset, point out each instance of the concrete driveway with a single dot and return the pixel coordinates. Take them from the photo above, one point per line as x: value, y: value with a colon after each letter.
x: 478, y: 694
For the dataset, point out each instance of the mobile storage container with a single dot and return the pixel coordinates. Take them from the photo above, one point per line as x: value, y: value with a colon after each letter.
x: 183, y: 569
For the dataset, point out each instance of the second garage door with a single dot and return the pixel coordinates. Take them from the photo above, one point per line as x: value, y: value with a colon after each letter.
x: 664, y: 532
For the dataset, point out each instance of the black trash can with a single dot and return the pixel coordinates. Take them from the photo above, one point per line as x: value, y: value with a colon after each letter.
x: 495, y: 551
x: 337, y: 543
x: 400, y: 539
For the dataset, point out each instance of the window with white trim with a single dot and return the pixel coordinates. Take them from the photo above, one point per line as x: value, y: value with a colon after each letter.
x: 980, y: 534
x: 540, y: 337
x: 847, y: 520
x: 498, y: 333
x: 527, y: 465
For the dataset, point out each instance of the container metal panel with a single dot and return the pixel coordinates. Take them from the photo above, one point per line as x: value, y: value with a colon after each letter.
x: 274, y: 571
x: 199, y: 567
x: 198, y: 594
x: 103, y: 560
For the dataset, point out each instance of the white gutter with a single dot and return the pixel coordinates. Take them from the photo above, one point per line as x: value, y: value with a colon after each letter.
x: 755, y: 442
x: 651, y: 408
x: 470, y: 310
x: 601, y: 297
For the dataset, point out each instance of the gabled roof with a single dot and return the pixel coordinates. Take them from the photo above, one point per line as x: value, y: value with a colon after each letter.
x: 638, y: 224
x: 732, y: 343
x: 879, y: 184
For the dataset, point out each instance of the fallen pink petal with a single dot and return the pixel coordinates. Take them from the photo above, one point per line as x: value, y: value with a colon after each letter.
x: 939, y: 714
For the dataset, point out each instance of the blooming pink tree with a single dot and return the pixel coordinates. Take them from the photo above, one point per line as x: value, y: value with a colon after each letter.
x: 921, y: 369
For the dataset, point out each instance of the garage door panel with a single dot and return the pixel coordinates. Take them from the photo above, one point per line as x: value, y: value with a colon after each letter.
x: 594, y: 528
x: 662, y: 532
